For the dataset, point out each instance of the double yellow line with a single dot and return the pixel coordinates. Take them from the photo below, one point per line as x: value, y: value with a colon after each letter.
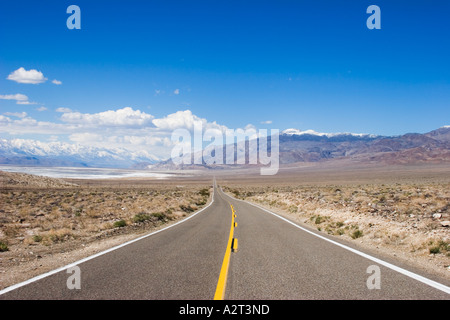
x: 232, y: 245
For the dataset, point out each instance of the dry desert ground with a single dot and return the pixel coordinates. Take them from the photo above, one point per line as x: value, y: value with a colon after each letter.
x: 398, y: 211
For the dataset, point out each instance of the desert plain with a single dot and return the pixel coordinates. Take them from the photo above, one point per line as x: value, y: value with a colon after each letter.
x: 399, y: 211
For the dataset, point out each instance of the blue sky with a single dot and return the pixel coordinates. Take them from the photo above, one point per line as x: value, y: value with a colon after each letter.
x: 296, y: 64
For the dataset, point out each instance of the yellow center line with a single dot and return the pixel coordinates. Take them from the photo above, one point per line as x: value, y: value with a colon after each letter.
x: 235, y: 245
x: 222, y: 282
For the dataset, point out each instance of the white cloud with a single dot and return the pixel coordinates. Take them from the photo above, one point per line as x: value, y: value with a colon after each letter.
x: 57, y: 82
x: 176, y: 91
x: 20, y: 98
x: 28, y: 125
x: 4, y: 121
x: 266, y: 122
x: 23, y: 76
x: 25, y: 102
x: 125, y: 128
x: 85, y: 137
x: 42, y: 108
x: 16, y: 114
x: 180, y: 119
x: 63, y: 110
x: 249, y: 127
x: 185, y: 120
x: 121, y: 117
x: 17, y: 97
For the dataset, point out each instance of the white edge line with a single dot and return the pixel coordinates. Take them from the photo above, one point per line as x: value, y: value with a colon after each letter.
x: 49, y: 273
x: 410, y: 274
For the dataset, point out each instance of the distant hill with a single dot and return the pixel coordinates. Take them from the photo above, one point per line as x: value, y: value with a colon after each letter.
x: 16, y: 179
x: 295, y: 147
x: 309, y: 146
x: 441, y: 134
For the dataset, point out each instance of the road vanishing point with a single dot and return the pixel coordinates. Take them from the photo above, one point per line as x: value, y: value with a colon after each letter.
x: 233, y: 250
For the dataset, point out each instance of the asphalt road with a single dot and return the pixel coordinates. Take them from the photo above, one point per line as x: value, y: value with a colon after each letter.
x: 274, y: 259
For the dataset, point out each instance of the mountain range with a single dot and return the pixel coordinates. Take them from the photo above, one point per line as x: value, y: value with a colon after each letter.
x: 408, y: 148
x: 52, y: 154
x: 294, y: 146
x: 297, y: 146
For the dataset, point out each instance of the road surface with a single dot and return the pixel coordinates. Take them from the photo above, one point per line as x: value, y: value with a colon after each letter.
x: 273, y: 259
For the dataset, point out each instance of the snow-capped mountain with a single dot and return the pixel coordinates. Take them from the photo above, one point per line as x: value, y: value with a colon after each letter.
x: 32, y: 152
x: 309, y: 145
x: 297, y: 132
x: 294, y: 146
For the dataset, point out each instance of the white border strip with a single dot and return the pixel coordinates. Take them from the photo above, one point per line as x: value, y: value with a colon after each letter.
x: 410, y: 274
x: 44, y: 275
